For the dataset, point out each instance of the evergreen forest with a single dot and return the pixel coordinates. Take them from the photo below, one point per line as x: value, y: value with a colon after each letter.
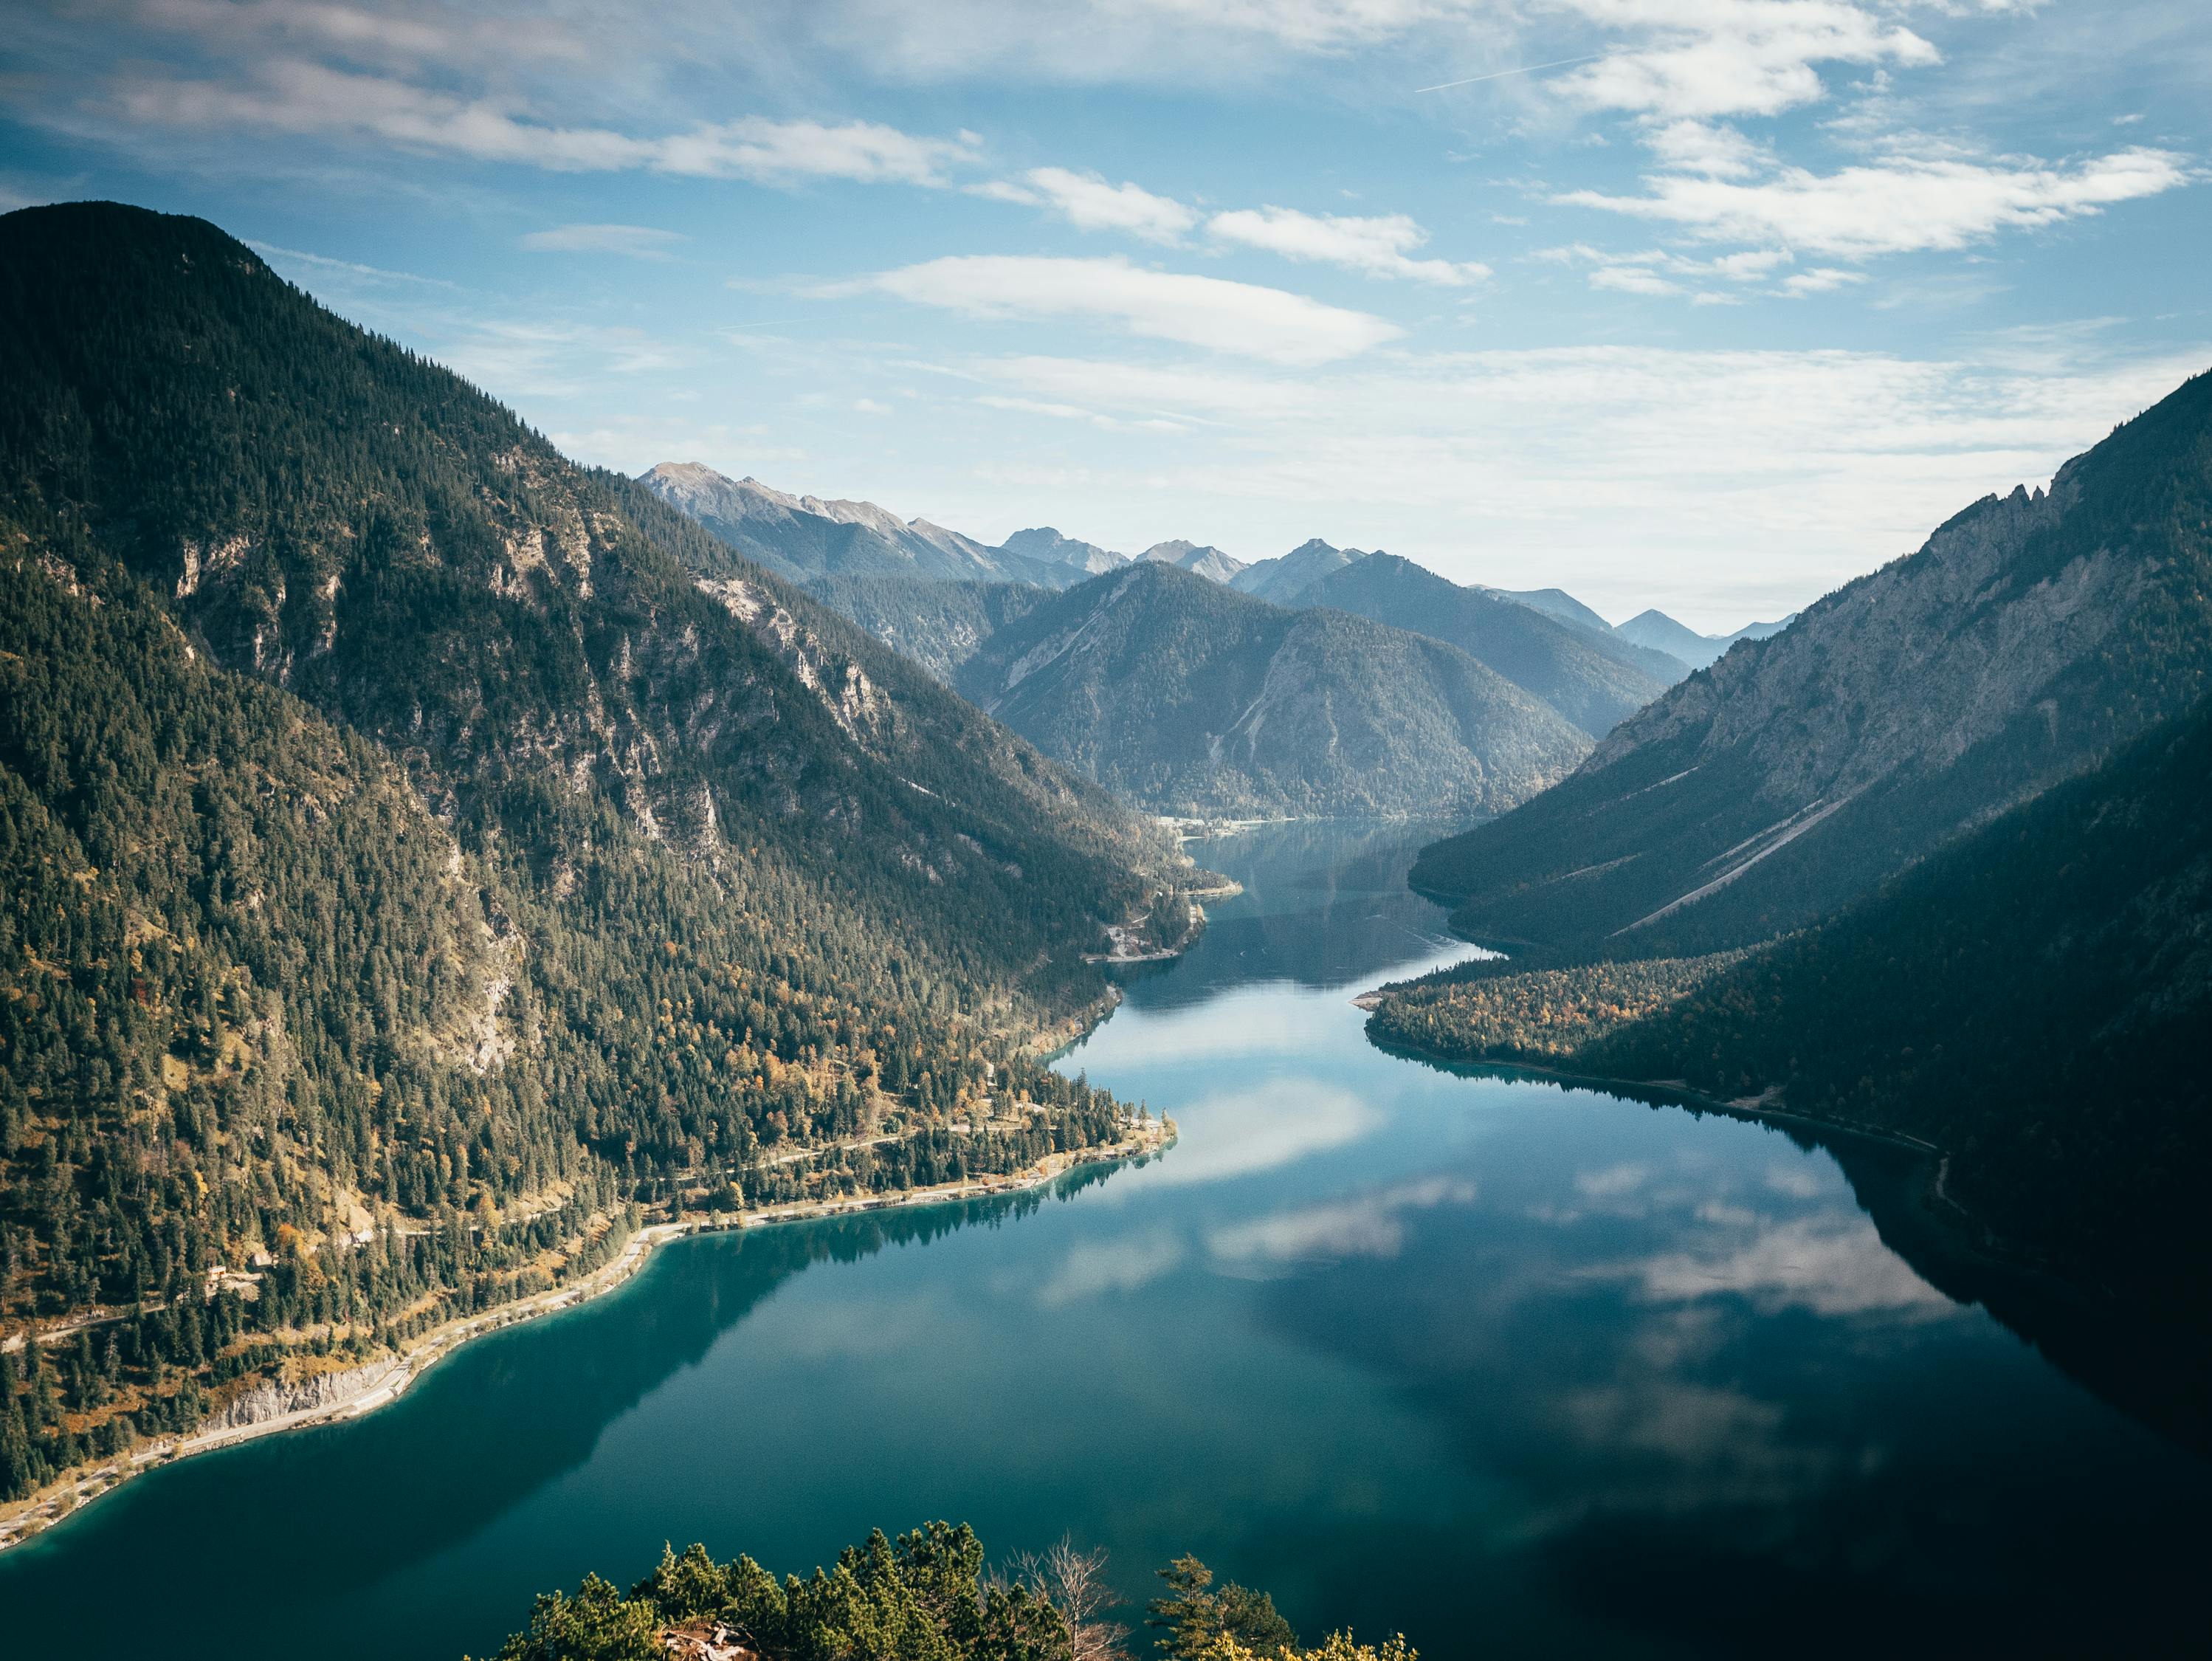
x: 416, y: 877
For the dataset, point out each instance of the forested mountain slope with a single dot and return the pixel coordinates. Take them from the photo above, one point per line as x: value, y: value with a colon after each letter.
x: 1592, y: 679
x: 2027, y: 638
x: 412, y: 864
x: 2034, y: 1000
x: 1190, y: 698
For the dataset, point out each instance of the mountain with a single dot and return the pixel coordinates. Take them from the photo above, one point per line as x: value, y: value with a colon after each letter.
x: 1662, y: 633
x: 940, y: 625
x: 2030, y: 999
x: 1190, y: 698
x: 1559, y: 603
x: 1206, y: 562
x: 1287, y: 576
x: 1048, y: 547
x: 1591, y: 679
x: 805, y: 537
x: 442, y: 851
x: 2028, y: 636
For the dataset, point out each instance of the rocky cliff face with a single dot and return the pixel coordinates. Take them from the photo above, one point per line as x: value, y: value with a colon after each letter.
x: 1912, y: 665
x: 2030, y: 635
x: 272, y: 1398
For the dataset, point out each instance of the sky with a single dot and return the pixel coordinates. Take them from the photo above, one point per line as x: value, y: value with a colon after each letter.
x: 1710, y: 304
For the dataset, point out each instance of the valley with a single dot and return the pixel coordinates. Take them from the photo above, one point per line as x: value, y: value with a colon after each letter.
x: 555, y: 1000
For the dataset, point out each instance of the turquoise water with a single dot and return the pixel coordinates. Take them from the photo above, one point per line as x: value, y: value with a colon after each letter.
x: 1519, y: 1369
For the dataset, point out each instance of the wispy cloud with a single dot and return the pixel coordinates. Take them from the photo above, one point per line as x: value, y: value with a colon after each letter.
x: 1089, y: 204
x: 1721, y: 57
x: 1240, y: 319
x: 633, y: 241
x: 1381, y: 245
x: 1901, y: 204
x: 310, y: 99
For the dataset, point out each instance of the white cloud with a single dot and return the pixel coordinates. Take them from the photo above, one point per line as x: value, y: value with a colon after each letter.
x: 1821, y: 280
x: 1655, y: 271
x: 1381, y: 245
x: 311, y: 99
x: 1721, y: 57
x: 1700, y: 147
x: 1632, y: 279
x: 1896, y: 206
x: 1089, y: 204
x: 635, y: 242
x: 1241, y: 319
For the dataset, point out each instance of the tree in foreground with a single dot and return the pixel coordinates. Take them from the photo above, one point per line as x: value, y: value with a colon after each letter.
x: 924, y: 1597
x: 1196, y: 1617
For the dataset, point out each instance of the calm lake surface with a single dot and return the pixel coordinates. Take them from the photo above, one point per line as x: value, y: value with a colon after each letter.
x: 1520, y: 1370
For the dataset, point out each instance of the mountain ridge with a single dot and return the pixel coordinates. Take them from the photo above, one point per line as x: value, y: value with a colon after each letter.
x: 1192, y: 699
x: 2029, y: 635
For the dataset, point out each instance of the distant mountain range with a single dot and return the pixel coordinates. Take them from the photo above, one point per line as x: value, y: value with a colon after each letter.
x: 1594, y: 679
x: 1662, y: 634
x: 805, y: 537
x: 1209, y: 562
x: 1188, y: 698
x: 966, y: 611
x: 2031, y: 634
x: 1283, y: 578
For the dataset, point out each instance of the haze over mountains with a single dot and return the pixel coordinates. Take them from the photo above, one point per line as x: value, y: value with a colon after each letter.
x: 805, y: 537
x: 944, y: 599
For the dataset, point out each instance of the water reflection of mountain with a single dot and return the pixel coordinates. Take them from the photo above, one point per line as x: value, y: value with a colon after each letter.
x: 1325, y: 904
x: 1673, y: 1389
x: 2153, y: 1363
x: 500, y: 1419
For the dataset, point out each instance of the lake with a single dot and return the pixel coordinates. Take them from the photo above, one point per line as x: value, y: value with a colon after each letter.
x: 1517, y: 1369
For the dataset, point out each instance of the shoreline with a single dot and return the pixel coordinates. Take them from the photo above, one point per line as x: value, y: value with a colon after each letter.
x: 65, y: 1497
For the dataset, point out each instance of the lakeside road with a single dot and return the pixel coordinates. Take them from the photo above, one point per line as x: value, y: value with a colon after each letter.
x: 379, y: 1383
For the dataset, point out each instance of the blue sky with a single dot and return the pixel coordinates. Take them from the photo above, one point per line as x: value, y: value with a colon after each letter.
x: 1706, y: 304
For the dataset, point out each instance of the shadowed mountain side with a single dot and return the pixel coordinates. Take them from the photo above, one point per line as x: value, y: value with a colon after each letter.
x: 1189, y: 698
x: 1592, y: 679
x: 2028, y: 636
